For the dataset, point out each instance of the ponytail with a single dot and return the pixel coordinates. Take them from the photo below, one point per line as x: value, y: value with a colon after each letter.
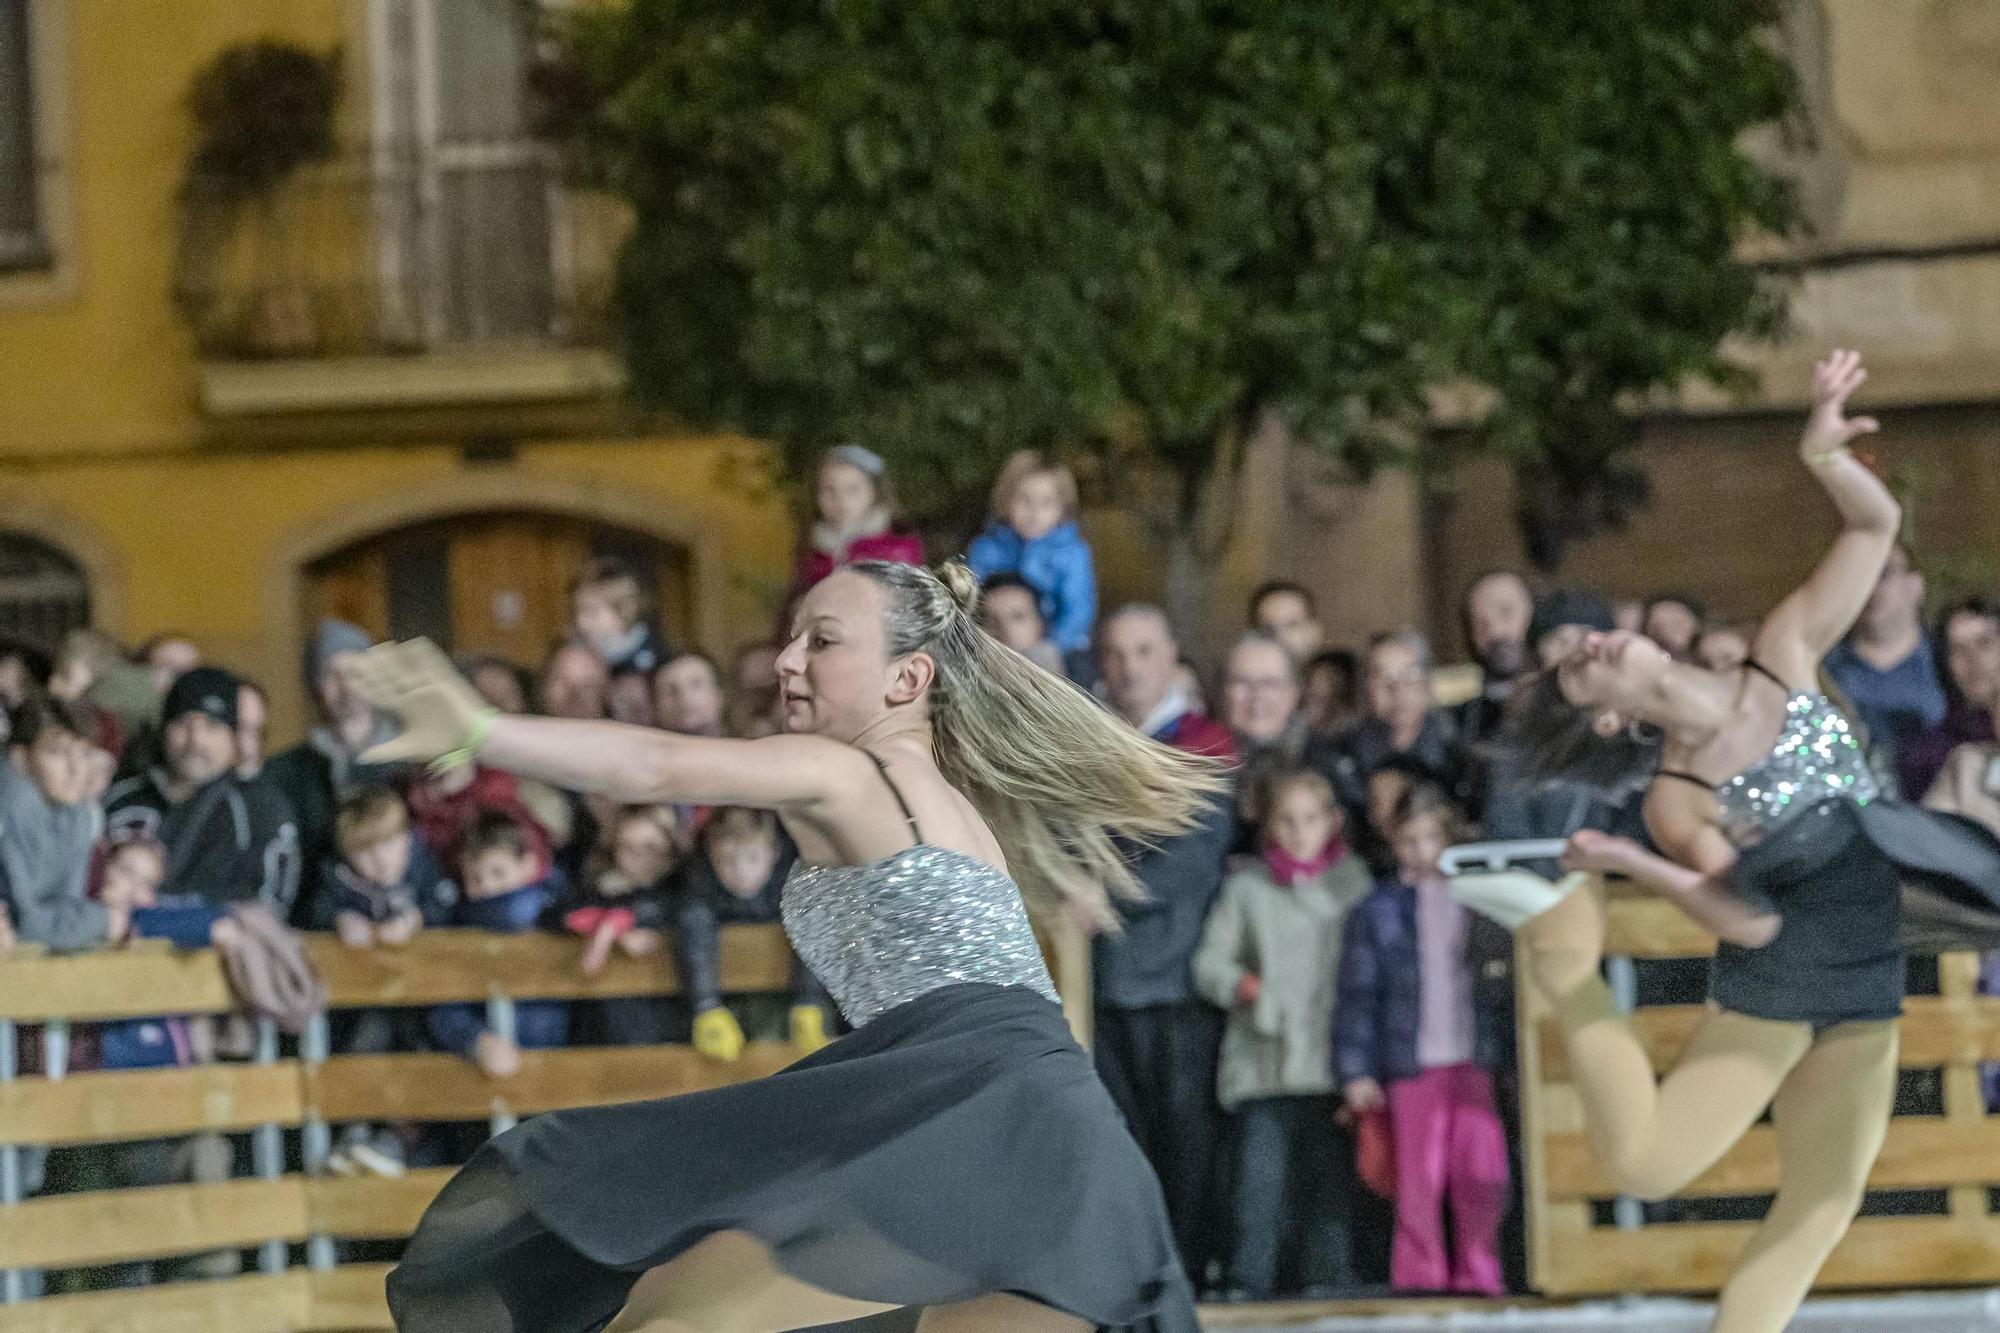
x: 1060, y: 781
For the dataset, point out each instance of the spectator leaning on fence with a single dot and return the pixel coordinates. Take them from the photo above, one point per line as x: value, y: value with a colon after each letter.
x: 227, y: 840
x: 505, y: 889
x: 736, y: 876
x: 621, y: 906
x: 47, y: 830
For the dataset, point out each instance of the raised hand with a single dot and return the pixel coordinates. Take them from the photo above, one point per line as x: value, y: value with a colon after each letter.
x: 441, y: 714
x: 1829, y: 429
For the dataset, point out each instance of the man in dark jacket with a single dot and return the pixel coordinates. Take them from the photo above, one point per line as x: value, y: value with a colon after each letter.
x: 1402, y: 719
x: 323, y: 769
x: 1156, y: 1040
x: 227, y: 840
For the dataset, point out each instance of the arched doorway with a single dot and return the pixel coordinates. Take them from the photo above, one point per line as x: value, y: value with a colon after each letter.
x: 44, y: 593
x: 491, y: 582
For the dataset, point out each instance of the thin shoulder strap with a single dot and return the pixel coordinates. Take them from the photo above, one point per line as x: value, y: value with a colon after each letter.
x: 897, y: 792
x: 1685, y: 777
x: 1754, y: 665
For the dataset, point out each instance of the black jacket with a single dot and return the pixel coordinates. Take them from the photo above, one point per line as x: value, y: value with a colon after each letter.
x: 231, y: 841
x: 1150, y: 962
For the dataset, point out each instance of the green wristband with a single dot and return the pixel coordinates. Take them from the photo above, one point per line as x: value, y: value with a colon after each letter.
x: 482, y: 729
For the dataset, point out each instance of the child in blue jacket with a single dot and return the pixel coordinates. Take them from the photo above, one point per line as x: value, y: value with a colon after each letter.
x: 504, y: 889
x: 1032, y: 532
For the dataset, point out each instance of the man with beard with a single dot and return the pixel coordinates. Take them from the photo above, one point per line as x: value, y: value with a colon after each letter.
x: 1497, y: 609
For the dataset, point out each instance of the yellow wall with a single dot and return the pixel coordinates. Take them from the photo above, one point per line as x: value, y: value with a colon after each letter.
x: 103, y: 446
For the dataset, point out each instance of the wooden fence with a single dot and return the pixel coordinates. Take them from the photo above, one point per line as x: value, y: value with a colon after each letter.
x: 1576, y: 1249
x: 276, y: 1210
x: 1577, y: 1245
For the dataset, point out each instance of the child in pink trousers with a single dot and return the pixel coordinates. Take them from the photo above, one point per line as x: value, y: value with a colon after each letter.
x: 1407, y: 1031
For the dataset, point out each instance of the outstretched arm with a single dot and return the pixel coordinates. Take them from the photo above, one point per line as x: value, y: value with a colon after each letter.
x: 1813, y: 618
x: 443, y: 718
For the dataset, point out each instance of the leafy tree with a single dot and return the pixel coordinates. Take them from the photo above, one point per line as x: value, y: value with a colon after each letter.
x: 1125, y: 229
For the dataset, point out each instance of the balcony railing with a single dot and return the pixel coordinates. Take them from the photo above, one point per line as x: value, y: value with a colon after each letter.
x: 384, y: 253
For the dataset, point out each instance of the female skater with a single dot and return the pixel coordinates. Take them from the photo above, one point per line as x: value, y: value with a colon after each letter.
x: 1775, y: 839
x: 956, y: 1152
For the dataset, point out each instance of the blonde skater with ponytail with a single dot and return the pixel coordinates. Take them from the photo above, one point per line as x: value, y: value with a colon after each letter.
x: 955, y: 1152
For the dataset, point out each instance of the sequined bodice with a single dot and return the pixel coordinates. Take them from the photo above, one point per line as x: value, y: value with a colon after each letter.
x: 880, y: 934
x: 1817, y: 759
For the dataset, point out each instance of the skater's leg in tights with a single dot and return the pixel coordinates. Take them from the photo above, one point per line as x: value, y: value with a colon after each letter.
x: 1832, y: 1114
x: 998, y: 1314
x: 728, y: 1284
x: 1651, y: 1137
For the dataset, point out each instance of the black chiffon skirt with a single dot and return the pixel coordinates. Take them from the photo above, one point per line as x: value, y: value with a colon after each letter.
x: 958, y: 1145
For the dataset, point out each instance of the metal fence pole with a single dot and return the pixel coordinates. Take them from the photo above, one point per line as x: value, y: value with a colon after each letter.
x: 13, y: 1281
x: 267, y: 1149
x: 501, y: 1020
x: 316, y: 1136
x: 1627, y: 1213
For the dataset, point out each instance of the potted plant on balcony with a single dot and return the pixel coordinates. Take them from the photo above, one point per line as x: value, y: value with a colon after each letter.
x: 262, y: 111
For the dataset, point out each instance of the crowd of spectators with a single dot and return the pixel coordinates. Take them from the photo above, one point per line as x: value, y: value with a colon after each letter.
x: 1309, y: 1039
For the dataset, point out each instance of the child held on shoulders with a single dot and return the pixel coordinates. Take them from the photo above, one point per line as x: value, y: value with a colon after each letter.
x: 608, y: 611
x: 621, y: 906
x: 1269, y: 956
x: 1032, y: 532
x: 1408, y: 1034
x: 506, y: 888
x: 735, y: 876
x: 855, y: 519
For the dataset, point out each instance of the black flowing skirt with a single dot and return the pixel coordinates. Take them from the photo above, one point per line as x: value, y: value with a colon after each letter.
x: 958, y: 1145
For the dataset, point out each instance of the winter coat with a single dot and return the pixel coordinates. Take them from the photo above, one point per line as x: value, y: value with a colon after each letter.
x: 1280, y: 1045
x: 425, y: 886
x: 537, y: 1023
x: 1380, y: 989
x: 233, y: 840
x: 825, y: 551
x: 1057, y: 565
x: 314, y: 776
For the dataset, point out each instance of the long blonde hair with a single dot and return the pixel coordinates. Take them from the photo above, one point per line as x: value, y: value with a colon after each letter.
x: 1060, y: 781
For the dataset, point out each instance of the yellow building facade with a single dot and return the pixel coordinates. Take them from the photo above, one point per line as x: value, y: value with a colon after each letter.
x: 375, y: 423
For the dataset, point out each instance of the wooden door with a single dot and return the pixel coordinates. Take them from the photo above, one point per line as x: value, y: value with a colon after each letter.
x: 489, y: 584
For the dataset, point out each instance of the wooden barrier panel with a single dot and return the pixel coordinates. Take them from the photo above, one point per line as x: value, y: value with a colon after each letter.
x: 372, y: 1207
x: 112, y: 1226
x: 280, y: 1303
x: 440, y: 966
x: 1957, y: 1152
x: 145, y: 979
x: 445, y: 1087
x: 146, y: 1104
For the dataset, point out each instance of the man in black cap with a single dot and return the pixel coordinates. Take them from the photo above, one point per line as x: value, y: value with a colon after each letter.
x: 227, y: 839
x: 320, y: 771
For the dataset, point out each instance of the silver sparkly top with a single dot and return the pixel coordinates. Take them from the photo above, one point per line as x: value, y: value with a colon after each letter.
x: 1816, y: 760
x: 880, y: 934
